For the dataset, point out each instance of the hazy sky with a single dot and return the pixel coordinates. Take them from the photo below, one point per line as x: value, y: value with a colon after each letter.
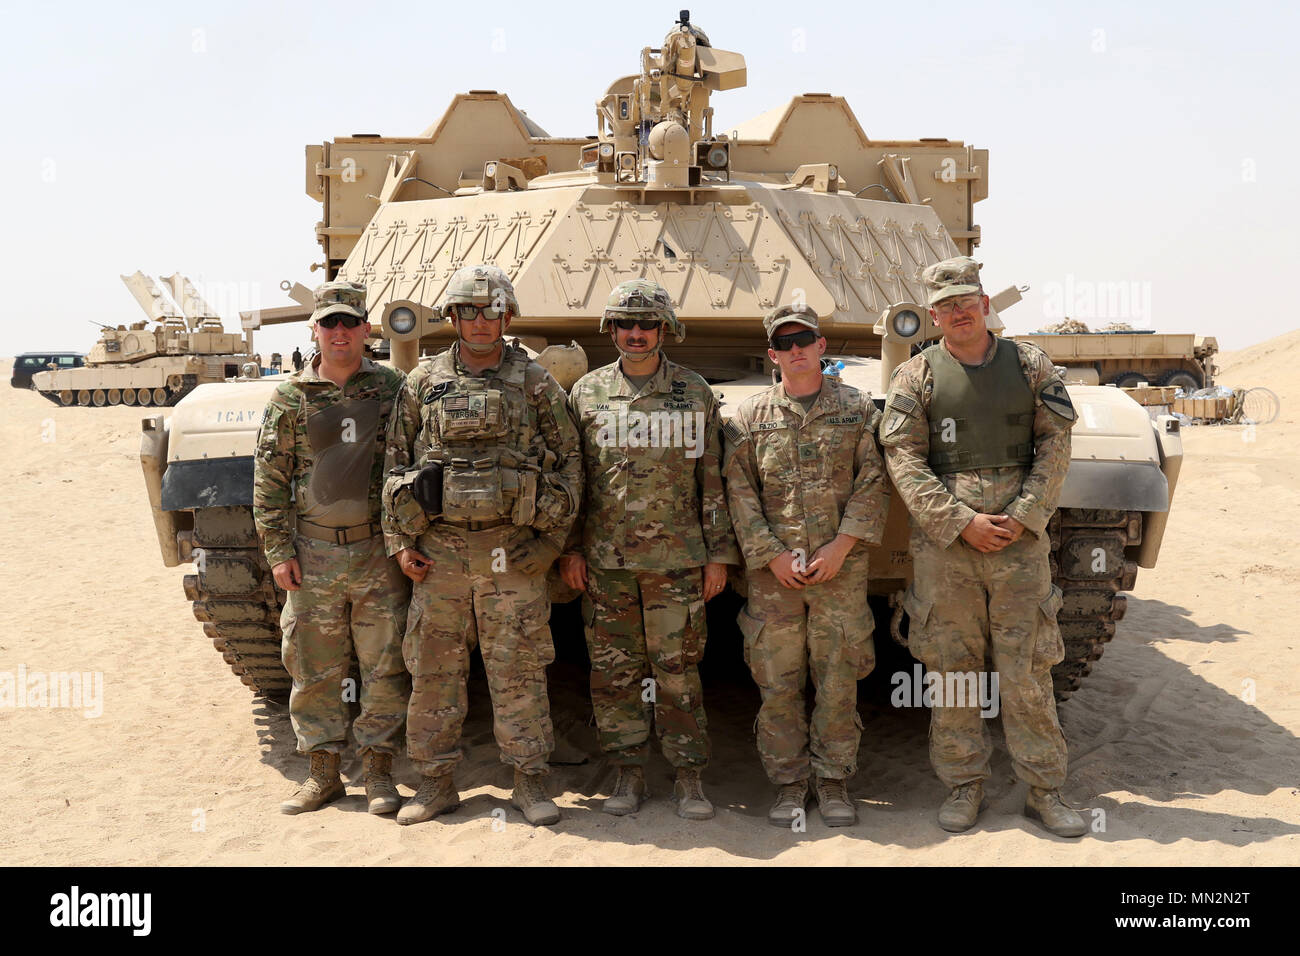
x: 1147, y: 149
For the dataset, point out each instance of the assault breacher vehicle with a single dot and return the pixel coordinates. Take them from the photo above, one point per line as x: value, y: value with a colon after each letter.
x: 140, y: 365
x: 796, y: 204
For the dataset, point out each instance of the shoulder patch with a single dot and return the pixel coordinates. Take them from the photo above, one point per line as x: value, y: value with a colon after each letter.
x: 1056, y: 399
x: 903, y: 403
x: 735, y: 434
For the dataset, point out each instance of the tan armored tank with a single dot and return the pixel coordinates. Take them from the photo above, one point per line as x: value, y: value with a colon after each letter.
x: 155, y: 362
x: 798, y: 204
x: 1127, y: 357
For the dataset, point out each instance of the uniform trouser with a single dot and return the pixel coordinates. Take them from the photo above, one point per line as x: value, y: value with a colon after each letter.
x: 823, y: 630
x: 642, y: 625
x: 965, y: 605
x: 471, y: 596
x: 352, y: 601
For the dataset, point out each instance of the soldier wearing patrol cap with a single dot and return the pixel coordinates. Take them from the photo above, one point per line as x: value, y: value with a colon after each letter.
x: 653, y: 547
x: 485, y: 477
x: 317, y: 476
x: 806, y: 487
x: 976, y: 433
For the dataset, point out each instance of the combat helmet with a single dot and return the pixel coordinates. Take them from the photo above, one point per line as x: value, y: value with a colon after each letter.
x: 479, y: 285
x: 641, y: 297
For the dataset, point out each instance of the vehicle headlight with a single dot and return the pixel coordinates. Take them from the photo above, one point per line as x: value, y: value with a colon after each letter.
x: 606, y: 150
x: 718, y: 157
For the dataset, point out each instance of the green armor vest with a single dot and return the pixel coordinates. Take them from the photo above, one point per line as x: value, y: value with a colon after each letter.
x: 980, y: 416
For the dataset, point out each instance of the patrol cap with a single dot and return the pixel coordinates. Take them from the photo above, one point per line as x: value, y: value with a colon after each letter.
x: 798, y: 314
x: 339, y: 296
x: 959, y: 275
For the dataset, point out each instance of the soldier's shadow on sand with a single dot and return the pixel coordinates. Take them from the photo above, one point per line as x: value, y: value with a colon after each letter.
x: 1144, y: 730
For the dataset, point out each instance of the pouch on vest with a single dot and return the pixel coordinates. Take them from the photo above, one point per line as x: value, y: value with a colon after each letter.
x: 472, y: 415
x: 407, y: 514
x: 471, y: 490
x: 426, y: 488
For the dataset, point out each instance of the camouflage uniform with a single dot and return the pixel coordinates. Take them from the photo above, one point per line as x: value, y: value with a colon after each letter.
x: 795, y: 481
x: 317, y: 475
x: 511, y: 492
x: 965, y: 604
x: 655, y: 514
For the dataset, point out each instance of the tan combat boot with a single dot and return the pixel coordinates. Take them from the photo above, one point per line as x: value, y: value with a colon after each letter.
x: 323, y: 786
x: 963, y: 805
x: 688, y: 793
x: 833, y: 801
x: 790, y: 800
x: 531, y: 798
x: 629, y: 791
x: 381, y: 795
x: 1047, y: 807
x: 436, y: 795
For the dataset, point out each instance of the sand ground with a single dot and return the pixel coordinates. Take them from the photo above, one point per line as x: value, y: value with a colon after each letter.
x: 1184, y: 737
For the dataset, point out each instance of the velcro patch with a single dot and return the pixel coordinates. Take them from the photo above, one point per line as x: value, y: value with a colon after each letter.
x: 903, y: 403
x: 893, y: 424
x: 1057, y: 400
x: 844, y: 420
x: 734, y: 433
x: 767, y: 426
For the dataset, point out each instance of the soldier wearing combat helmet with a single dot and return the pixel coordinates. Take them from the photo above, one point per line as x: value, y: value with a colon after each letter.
x: 976, y: 433
x: 317, y: 477
x: 484, y: 482
x: 806, y: 488
x: 653, y: 545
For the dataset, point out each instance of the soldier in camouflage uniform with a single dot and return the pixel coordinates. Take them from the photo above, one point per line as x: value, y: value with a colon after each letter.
x: 806, y: 487
x: 977, y: 438
x: 317, y: 477
x: 654, y: 545
x: 485, y: 477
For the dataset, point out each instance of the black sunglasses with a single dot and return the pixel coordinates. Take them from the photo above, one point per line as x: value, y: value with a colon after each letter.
x: 467, y: 312
x: 783, y: 343
x: 332, y: 321
x: 645, y: 325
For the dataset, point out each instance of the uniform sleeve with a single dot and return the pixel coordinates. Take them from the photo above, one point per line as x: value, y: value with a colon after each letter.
x: 905, y: 435
x: 399, y: 453
x: 560, y: 492
x: 1053, y: 418
x: 573, y: 543
x: 864, y: 512
x: 715, y: 520
x: 758, y: 545
x: 273, y: 468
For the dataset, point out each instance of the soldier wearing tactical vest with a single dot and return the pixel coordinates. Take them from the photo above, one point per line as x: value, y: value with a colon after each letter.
x: 806, y: 487
x: 317, y: 478
x: 976, y: 434
x: 653, y: 546
x: 485, y: 477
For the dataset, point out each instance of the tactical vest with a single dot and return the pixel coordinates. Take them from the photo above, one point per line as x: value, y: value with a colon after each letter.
x: 482, y: 437
x: 980, y: 416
